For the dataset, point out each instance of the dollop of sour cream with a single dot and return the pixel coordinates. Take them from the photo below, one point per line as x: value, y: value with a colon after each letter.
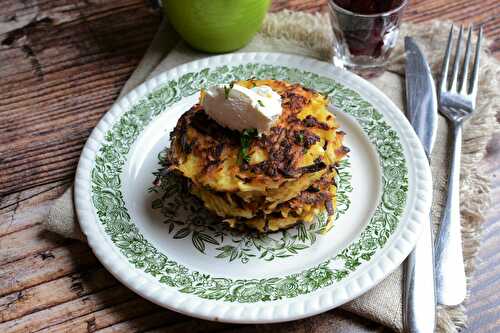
x: 240, y: 108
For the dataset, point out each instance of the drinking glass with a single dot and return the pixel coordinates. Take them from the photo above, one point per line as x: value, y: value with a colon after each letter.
x: 365, y: 32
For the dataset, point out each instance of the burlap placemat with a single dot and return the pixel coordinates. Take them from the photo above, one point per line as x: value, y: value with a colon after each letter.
x: 310, y: 35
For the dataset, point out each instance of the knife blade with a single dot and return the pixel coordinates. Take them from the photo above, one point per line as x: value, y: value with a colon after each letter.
x: 421, y: 105
x: 421, y: 97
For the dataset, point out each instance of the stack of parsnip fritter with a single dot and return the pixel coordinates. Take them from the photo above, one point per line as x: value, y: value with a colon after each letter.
x: 266, y: 181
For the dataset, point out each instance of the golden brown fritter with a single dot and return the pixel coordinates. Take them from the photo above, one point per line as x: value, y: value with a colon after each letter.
x: 285, y: 176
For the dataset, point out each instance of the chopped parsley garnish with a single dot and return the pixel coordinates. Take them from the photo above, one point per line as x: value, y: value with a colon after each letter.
x: 300, y: 137
x: 227, y: 90
x: 245, y: 157
x: 260, y: 102
x: 245, y: 140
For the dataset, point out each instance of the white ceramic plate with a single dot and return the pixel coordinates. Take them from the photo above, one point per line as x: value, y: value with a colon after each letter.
x: 172, y: 253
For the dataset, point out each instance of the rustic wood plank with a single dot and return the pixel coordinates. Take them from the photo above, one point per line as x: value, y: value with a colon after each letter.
x: 72, y: 309
x: 194, y: 326
x: 482, y: 307
x: 45, y: 266
x: 337, y: 321
x: 26, y: 242
x: 55, y: 292
x: 71, y: 69
x: 142, y: 324
x: 484, y: 301
x: 24, y: 209
x: 115, y: 315
x: 64, y: 70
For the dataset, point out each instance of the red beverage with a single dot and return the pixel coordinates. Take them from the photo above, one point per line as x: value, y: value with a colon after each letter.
x: 368, y: 7
x: 365, y: 30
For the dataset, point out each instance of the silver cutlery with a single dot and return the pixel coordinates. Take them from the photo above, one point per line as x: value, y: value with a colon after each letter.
x: 421, y: 105
x: 457, y: 101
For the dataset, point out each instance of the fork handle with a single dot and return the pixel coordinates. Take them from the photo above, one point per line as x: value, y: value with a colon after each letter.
x: 450, y: 273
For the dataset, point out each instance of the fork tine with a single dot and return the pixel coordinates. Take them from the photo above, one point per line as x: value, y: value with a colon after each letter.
x: 462, y: 85
x: 446, y: 62
x: 475, y: 71
x: 456, y: 63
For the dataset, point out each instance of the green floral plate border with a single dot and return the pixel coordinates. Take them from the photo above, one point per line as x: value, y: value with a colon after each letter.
x: 381, y: 247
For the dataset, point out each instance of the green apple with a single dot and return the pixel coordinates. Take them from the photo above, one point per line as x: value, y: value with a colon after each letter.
x: 216, y: 25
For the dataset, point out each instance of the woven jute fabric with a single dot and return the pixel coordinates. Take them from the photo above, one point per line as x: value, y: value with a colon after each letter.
x: 310, y: 35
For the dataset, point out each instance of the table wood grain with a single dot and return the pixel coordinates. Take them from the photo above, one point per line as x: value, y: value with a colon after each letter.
x: 62, y: 64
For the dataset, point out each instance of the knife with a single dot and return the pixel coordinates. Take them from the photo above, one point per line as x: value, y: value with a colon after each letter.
x: 421, y: 105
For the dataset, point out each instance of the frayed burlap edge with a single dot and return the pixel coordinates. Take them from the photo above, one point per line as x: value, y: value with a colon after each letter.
x: 313, y: 30
x: 310, y: 30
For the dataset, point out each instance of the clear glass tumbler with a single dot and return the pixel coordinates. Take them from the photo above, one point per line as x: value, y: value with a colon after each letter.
x: 365, y: 32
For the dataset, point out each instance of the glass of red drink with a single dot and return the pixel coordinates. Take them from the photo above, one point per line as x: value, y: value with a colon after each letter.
x: 365, y: 32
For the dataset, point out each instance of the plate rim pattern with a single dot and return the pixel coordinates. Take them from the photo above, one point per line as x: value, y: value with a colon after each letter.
x: 387, y: 259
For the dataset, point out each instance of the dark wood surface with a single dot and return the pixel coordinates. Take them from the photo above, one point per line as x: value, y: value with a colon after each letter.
x: 62, y: 64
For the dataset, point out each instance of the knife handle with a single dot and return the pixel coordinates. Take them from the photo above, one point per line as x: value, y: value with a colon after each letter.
x: 420, y: 297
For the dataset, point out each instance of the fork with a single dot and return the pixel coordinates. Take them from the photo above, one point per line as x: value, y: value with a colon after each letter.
x: 457, y: 102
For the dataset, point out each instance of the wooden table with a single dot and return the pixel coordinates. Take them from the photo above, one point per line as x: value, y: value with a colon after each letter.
x: 62, y: 64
